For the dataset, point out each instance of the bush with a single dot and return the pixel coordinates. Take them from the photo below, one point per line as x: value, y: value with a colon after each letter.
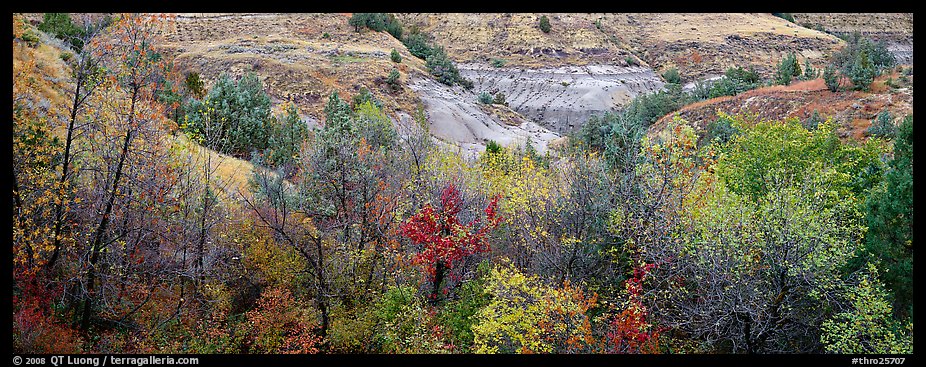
x: 393, y: 27
x: 545, y: 24
x: 326, y: 35
x: 831, y: 78
x: 809, y: 72
x: 194, y: 85
x: 883, y: 126
x: 631, y: 61
x: 365, y: 96
x: 444, y: 69
x: 785, y: 16
x: 492, y: 147
x: 59, y: 25
x: 813, y: 121
x: 374, y: 21
x: 418, y: 45
x: 499, y: 99
x: 395, y: 57
x: 862, y: 60
x: 788, y: 69
x: 485, y: 98
x: 497, y: 62
x: 672, y: 76
x: 720, y: 130
x: 239, y: 113
x: 393, y: 79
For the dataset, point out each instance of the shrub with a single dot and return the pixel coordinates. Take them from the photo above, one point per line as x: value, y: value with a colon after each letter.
x: 813, y: 121
x: 883, y: 126
x: 631, y: 61
x: 831, y: 78
x: 785, y: 16
x: 396, y: 58
x: 672, y: 76
x: 418, y: 45
x: 788, y: 69
x: 194, y: 85
x: 326, y: 35
x: 492, y: 147
x: 363, y: 96
x: 862, y: 59
x: 545, y: 24
x: 59, y: 25
x: 485, y: 98
x: 809, y: 72
x: 499, y: 99
x: 720, y: 130
x: 393, y: 27
x: 374, y: 21
x: 393, y: 79
x: 497, y: 62
x: 444, y: 69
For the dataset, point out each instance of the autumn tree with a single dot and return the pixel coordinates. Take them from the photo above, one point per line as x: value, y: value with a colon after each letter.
x: 445, y: 240
x: 86, y: 77
x: 136, y: 72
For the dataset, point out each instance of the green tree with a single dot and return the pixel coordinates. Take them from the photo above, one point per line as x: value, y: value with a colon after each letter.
x: 395, y: 57
x: 672, y: 76
x: 867, y: 327
x: 485, y: 98
x: 59, y: 25
x: 788, y: 68
x: 545, y: 24
x: 286, y: 142
x: 831, y: 78
x: 194, y: 85
x: 889, y: 213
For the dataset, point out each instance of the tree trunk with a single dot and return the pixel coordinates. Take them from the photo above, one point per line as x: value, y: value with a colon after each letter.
x: 96, y: 245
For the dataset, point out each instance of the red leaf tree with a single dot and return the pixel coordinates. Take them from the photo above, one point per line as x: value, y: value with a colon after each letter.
x: 446, y: 240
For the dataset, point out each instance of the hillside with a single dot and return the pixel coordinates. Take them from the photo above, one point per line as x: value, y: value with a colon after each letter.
x: 700, y: 44
x: 896, y: 29
x: 853, y: 111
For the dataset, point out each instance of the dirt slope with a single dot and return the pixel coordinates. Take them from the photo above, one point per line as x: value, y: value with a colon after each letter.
x: 896, y: 29
x: 700, y: 44
x: 853, y: 111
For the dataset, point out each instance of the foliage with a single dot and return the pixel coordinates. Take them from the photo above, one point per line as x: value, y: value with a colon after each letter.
x: 418, y: 44
x: 59, y: 25
x: 867, y: 327
x: 787, y: 151
x: 862, y: 60
x: 235, y: 114
x: 445, y: 239
x: 524, y: 315
x: 785, y: 16
x: 194, y: 85
x: 788, y: 68
x: 289, y: 133
x: 499, y: 99
x: 393, y: 80
x: 672, y: 76
x: 485, y: 98
x: 889, y: 215
x: 279, y: 326
x: 492, y: 147
x: 459, y: 315
x: 883, y: 126
x: 545, y: 24
x: 497, y: 62
x: 440, y: 66
x: 720, y: 130
x: 831, y: 78
x: 814, y: 121
x: 395, y: 56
